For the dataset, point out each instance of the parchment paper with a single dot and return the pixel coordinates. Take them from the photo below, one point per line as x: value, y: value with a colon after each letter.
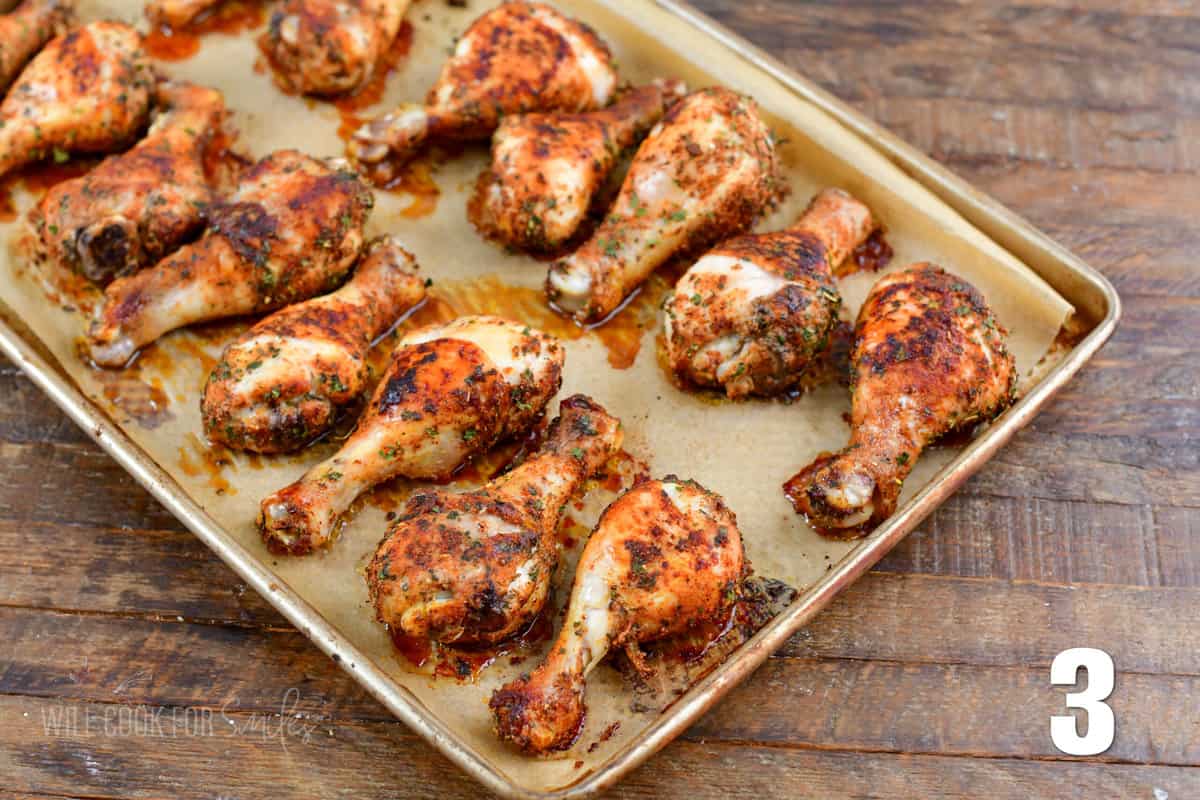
x: 742, y: 450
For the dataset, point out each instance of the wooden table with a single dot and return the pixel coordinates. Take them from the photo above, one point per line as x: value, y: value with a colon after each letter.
x: 134, y: 664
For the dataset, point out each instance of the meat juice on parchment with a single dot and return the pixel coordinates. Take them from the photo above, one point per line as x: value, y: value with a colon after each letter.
x: 742, y: 450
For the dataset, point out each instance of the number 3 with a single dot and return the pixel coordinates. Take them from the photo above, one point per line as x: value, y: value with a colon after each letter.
x: 1101, y: 724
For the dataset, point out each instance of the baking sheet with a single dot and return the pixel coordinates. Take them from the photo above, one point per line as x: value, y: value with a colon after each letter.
x: 668, y: 430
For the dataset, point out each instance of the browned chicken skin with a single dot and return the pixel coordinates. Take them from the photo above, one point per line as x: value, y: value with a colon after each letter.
x: 751, y: 315
x: 25, y: 29
x: 135, y: 208
x: 87, y: 91
x: 177, y: 13
x: 475, y: 567
x: 707, y: 171
x: 329, y: 47
x: 449, y: 393
x: 281, y: 384
x: 929, y: 358
x: 664, y: 557
x: 291, y: 230
x: 546, y: 168
x: 516, y: 58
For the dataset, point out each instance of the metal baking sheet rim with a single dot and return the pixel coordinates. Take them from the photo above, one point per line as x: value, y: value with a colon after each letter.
x: 1080, y: 283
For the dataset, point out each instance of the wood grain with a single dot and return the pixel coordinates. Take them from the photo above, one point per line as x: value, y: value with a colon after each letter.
x: 1101, y: 58
x: 832, y: 703
x: 927, y: 678
x: 315, y: 760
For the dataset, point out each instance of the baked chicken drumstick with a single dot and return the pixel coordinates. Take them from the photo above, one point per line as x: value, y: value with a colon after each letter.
x: 705, y: 172
x: 449, y: 393
x: 329, y: 47
x: 292, y: 229
x: 750, y: 316
x: 136, y: 207
x: 177, y: 13
x: 87, y: 91
x: 547, y: 168
x: 281, y: 384
x: 24, y: 30
x: 475, y: 567
x: 929, y: 358
x: 666, y: 556
x: 516, y: 58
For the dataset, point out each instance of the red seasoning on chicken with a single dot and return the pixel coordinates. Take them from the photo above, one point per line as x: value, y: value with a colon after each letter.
x: 706, y: 171
x: 136, y: 207
x: 450, y: 392
x: 664, y: 558
x: 547, y: 168
x: 752, y: 314
x: 330, y: 47
x: 282, y: 383
x: 475, y: 567
x: 177, y: 13
x: 87, y: 91
x: 517, y: 58
x: 24, y: 30
x: 929, y: 358
x: 292, y: 229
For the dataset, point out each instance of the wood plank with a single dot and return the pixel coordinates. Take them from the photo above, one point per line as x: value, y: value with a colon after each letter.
x: 364, y: 756
x: 947, y: 709
x: 929, y: 619
x: 1178, y: 567
x: 984, y: 622
x: 1121, y: 470
x: 1053, y: 542
x: 1057, y: 137
x: 1139, y: 259
x: 112, y: 570
x: 1158, y: 8
x: 1133, y: 387
x: 1057, y: 106
x: 993, y: 53
x: 169, y: 574
x: 832, y: 704
x: 39, y: 476
x: 28, y: 415
x: 136, y: 660
x: 1114, y: 197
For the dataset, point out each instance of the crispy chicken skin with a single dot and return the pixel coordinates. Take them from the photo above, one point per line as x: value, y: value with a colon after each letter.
x: 449, y: 393
x: 750, y: 316
x: 282, y: 383
x: 929, y: 358
x: 25, y: 29
x: 517, y: 58
x: 546, y: 168
x: 475, y: 567
x: 177, y: 13
x: 291, y: 230
x: 705, y: 172
x: 666, y: 556
x: 87, y: 91
x: 135, y: 208
x: 330, y: 47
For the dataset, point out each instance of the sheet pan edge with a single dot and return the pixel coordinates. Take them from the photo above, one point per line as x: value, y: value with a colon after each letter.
x: 1093, y: 293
